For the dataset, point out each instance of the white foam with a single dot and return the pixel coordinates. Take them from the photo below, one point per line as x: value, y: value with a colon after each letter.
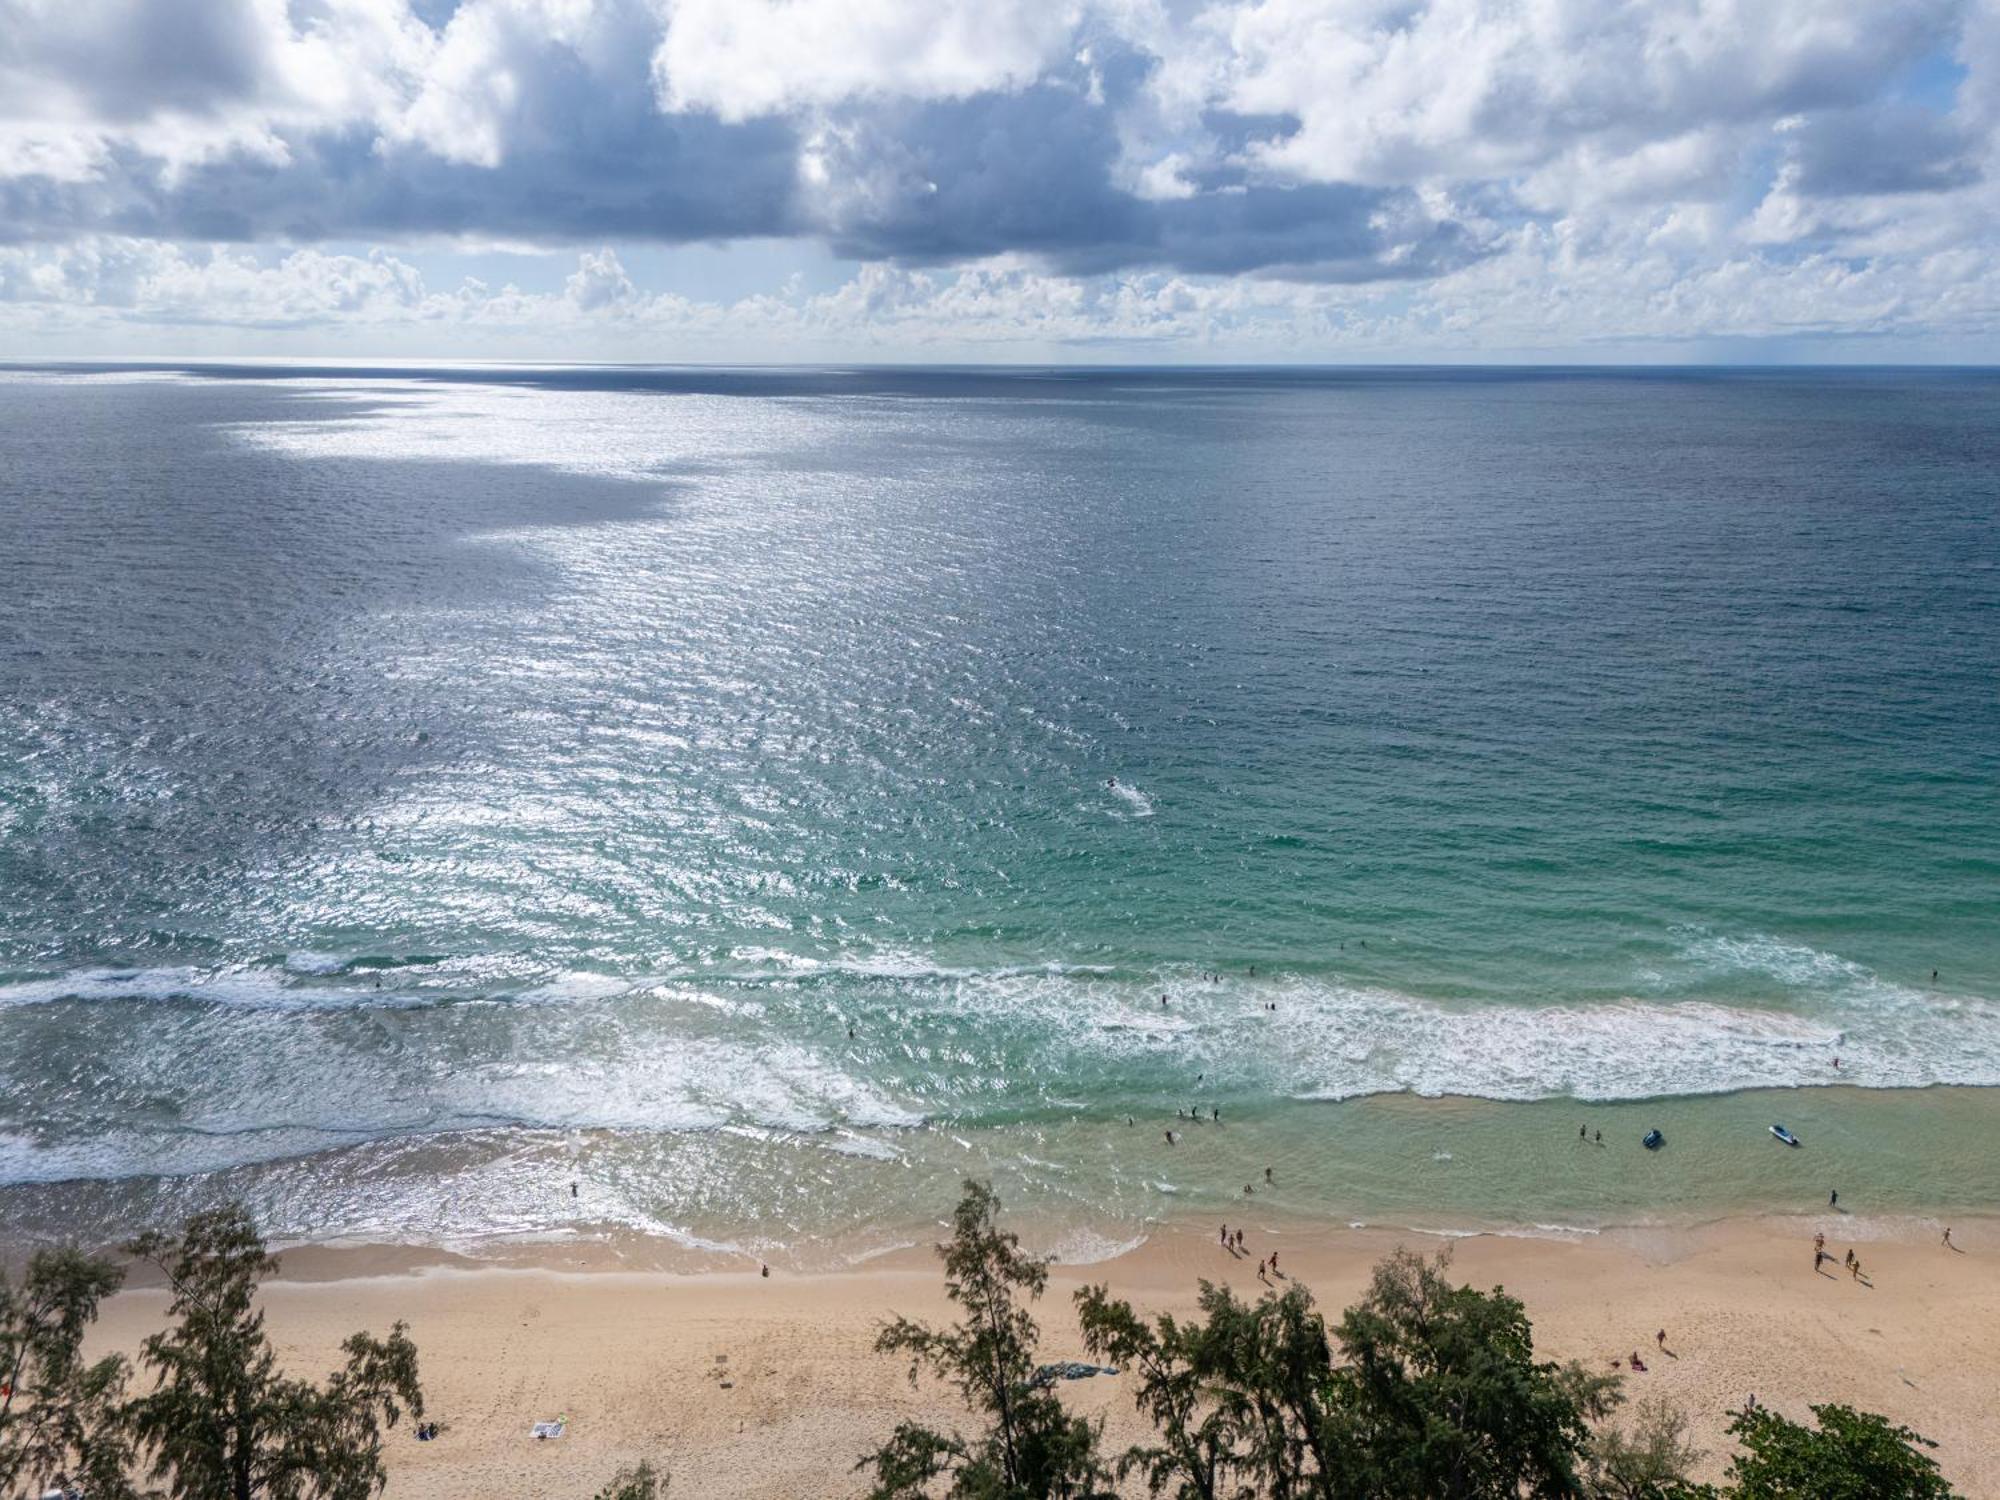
x: 249, y: 988
x: 1086, y: 1247
x: 1137, y: 803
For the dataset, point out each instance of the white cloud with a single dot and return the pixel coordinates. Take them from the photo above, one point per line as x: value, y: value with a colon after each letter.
x: 742, y: 58
x: 1389, y: 174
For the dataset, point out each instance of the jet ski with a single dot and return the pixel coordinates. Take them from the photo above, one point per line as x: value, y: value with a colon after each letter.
x: 1653, y: 1140
x: 1784, y: 1135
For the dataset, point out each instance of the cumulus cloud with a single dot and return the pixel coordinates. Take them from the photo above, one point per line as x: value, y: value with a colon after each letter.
x: 1411, y: 167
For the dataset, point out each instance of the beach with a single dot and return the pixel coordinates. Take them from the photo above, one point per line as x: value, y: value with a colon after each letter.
x: 747, y: 1386
x: 591, y: 832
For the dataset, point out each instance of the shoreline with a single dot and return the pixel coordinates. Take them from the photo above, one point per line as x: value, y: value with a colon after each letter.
x: 761, y: 1387
x: 1447, y: 1166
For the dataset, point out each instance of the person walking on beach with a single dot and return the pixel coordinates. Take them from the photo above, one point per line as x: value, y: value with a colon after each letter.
x: 1583, y: 1132
x: 1660, y: 1338
x: 1274, y: 1262
x: 1947, y: 1238
x: 1833, y: 1198
x: 1225, y: 1236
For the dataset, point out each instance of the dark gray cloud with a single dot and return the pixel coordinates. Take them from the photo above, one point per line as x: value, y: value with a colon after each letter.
x: 590, y: 156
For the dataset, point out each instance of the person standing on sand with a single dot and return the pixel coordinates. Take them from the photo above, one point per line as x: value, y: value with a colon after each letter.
x: 1947, y: 1238
x: 1660, y: 1338
x: 1583, y: 1132
x: 1833, y: 1198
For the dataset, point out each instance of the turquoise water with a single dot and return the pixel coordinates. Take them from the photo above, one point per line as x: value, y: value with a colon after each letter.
x: 509, y: 773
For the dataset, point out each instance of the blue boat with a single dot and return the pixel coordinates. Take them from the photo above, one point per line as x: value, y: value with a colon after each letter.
x: 1784, y: 1135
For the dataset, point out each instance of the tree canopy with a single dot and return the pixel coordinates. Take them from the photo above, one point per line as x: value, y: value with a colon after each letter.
x: 222, y: 1423
x: 1031, y: 1448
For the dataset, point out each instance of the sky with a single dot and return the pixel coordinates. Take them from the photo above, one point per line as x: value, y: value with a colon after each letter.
x: 1103, y: 181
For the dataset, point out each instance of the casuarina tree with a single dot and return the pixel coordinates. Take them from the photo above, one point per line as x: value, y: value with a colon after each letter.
x: 1237, y: 1398
x: 223, y: 1423
x: 1031, y: 1448
x: 60, y: 1421
x: 1425, y: 1391
x: 1439, y: 1396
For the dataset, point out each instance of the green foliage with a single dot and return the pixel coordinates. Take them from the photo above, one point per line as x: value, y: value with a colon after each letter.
x: 640, y: 1482
x: 1438, y: 1395
x: 222, y: 1423
x: 60, y: 1425
x: 1237, y: 1398
x: 1849, y: 1455
x: 1031, y: 1449
x: 1650, y: 1461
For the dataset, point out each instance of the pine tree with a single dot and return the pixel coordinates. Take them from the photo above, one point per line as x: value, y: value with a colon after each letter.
x: 1031, y: 1448
x: 222, y: 1422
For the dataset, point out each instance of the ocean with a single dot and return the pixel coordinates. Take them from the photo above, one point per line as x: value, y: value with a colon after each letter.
x: 763, y: 797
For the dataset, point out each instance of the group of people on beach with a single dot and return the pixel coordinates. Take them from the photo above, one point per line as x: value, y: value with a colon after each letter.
x: 1851, y: 1261
x: 1232, y: 1241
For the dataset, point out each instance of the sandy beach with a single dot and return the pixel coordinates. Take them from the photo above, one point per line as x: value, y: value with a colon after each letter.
x: 752, y: 1387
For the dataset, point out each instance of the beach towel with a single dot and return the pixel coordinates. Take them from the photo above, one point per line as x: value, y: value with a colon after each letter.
x: 549, y: 1429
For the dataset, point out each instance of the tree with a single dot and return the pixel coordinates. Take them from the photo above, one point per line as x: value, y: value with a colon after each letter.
x: 1435, y: 1395
x: 1438, y: 1394
x: 1032, y: 1448
x: 1237, y: 1398
x: 60, y: 1422
x: 1649, y: 1462
x: 640, y: 1482
x: 1850, y: 1455
x: 222, y: 1422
